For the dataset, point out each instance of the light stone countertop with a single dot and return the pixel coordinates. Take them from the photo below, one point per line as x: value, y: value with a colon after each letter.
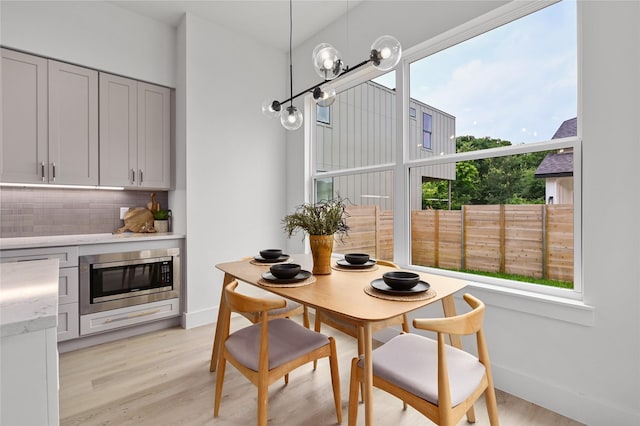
x: 82, y: 239
x: 28, y: 296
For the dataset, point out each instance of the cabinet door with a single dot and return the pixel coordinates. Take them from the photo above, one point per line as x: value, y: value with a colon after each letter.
x: 118, y: 131
x: 23, y: 150
x: 154, y: 138
x: 73, y: 124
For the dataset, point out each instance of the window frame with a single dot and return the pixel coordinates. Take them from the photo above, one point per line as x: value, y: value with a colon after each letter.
x: 402, y: 163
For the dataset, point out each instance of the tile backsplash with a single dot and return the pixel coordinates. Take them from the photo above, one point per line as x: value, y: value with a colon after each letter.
x: 33, y: 212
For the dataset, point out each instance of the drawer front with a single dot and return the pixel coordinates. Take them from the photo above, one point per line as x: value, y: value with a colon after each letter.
x: 68, y: 322
x: 131, y: 315
x: 68, y: 256
x: 68, y: 286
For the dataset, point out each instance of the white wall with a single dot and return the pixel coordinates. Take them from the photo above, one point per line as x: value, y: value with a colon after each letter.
x: 581, y: 360
x: 235, y: 174
x: 93, y: 34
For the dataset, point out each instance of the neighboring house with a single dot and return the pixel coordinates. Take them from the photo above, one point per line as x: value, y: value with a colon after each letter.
x: 370, y: 141
x: 557, y: 168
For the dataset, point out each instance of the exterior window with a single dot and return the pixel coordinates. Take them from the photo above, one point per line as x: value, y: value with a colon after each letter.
x: 426, y: 131
x: 323, y: 114
x: 491, y: 186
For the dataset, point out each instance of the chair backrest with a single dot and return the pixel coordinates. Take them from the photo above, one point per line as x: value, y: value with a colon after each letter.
x: 242, y: 303
x: 464, y: 324
x: 468, y: 323
x: 386, y: 263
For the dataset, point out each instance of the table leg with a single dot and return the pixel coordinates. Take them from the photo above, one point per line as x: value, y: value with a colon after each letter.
x: 368, y: 374
x: 449, y: 308
x: 215, y: 350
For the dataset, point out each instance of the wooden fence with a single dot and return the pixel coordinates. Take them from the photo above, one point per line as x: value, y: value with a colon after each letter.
x: 533, y: 240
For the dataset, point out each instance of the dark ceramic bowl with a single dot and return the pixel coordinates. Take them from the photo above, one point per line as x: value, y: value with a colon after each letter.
x: 357, y: 258
x: 401, y: 280
x: 285, y: 270
x: 271, y: 253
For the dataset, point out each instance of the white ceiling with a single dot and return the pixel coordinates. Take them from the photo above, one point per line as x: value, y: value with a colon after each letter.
x: 264, y: 20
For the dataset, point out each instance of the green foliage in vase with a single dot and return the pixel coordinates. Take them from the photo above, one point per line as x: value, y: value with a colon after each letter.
x: 162, y: 214
x: 323, y: 218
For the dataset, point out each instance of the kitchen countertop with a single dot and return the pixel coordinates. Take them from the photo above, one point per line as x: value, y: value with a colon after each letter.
x: 83, y: 239
x: 28, y: 296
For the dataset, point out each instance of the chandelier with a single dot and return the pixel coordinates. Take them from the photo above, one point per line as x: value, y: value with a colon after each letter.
x: 384, y: 55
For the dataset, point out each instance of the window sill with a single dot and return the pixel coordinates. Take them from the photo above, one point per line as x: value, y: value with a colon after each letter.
x: 543, y: 305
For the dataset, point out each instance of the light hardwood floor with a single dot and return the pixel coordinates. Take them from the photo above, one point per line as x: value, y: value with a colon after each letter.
x: 162, y: 378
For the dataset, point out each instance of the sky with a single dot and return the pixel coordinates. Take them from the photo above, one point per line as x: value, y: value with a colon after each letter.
x: 516, y: 83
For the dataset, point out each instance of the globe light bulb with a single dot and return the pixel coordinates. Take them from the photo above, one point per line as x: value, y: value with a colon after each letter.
x: 326, y: 61
x: 271, y: 108
x: 324, y: 96
x: 385, y: 52
x: 291, y: 118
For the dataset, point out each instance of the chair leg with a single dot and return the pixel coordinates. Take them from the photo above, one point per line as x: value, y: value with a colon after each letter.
x: 263, y: 401
x: 354, y: 390
x: 335, y: 379
x: 492, y: 405
x: 219, y: 381
x: 317, y: 325
x: 286, y: 379
x: 360, y: 352
x: 305, y: 316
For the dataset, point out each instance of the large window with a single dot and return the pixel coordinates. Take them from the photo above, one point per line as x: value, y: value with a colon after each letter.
x: 492, y: 159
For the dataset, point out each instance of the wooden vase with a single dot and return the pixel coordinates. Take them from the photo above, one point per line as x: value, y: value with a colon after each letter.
x: 321, y: 249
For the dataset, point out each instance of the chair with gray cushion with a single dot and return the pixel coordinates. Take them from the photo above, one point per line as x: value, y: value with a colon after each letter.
x: 270, y: 349
x: 438, y: 380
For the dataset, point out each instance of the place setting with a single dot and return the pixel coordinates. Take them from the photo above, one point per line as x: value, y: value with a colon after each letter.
x: 286, y: 275
x: 355, y: 262
x: 400, y: 285
x: 269, y: 257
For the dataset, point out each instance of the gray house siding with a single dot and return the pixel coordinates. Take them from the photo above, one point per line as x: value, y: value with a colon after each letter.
x: 362, y: 133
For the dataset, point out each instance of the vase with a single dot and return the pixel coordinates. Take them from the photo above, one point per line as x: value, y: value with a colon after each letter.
x: 161, y: 225
x: 321, y: 249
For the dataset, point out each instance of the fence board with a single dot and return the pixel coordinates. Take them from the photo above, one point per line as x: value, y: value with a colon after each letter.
x: 512, y: 240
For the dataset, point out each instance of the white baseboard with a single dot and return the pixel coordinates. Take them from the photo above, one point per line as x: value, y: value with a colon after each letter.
x: 198, y: 318
x: 566, y: 402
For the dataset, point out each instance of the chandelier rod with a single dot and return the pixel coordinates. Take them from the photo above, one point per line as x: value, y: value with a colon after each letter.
x: 310, y: 89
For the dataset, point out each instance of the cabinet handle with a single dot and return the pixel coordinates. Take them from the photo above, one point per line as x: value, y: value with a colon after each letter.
x: 42, y: 169
x: 54, y: 171
x: 141, y: 177
x: 133, y: 176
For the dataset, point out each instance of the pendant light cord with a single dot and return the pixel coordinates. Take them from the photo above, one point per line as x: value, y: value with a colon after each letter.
x: 290, y: 43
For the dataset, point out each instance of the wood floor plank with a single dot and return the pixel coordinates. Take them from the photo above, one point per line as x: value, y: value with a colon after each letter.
x: 162, y: 378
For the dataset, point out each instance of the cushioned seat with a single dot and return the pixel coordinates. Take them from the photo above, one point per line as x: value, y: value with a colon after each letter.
x: 438, y: 380
x: 407, y: 361
x: 287, y: 341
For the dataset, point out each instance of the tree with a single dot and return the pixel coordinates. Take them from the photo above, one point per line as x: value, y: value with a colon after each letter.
x: 497, y: 180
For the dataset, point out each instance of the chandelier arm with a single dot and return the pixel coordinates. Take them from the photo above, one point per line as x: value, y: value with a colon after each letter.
x: 311, y: 89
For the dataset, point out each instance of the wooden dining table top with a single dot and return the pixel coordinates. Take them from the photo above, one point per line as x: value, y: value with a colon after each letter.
x: 342, y: 291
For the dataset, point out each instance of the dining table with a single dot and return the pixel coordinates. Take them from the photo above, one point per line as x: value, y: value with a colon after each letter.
x: 345, y: 292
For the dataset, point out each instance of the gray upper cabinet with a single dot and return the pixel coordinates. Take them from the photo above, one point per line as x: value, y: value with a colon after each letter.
x: 135, y: 140
x: 50, y: 121
x: 73, y: 124
x: 23, y: 151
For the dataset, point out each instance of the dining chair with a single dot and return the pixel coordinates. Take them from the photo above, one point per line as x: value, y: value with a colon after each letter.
x: 438, y: 380
x: 347, y: 326
x: 289, y: 310
x: 270, y: 349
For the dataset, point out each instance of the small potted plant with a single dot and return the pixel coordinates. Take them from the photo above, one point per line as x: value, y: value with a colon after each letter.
x: 322, y: 221
x: 161, y: 220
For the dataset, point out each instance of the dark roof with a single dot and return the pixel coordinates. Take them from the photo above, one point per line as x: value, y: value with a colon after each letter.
x: 567, y: 129
x: 560, y: 163
x: 556, y: 164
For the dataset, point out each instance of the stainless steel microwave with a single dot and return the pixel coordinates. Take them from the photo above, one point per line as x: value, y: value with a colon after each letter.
x: 116, y: 280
